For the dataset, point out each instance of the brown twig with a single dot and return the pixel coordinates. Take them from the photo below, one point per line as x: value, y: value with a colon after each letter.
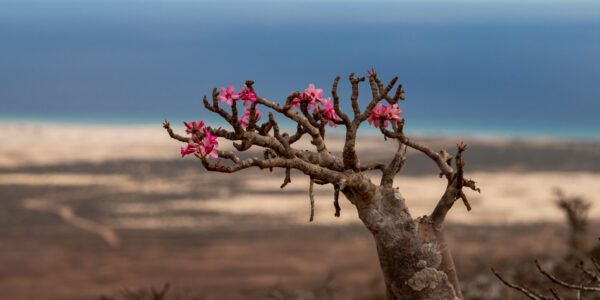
x: 336, y: 196
x: 527, y: 292
x: 287, y: 178
x: 173, y: 135
x: 564, y: 283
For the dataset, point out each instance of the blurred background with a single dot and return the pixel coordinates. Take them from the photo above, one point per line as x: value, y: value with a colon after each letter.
x: 95, y: 200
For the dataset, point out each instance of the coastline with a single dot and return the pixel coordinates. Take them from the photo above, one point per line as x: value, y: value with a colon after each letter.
x: 37, y: 143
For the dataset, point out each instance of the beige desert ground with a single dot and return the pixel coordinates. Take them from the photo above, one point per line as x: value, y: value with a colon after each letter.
x: 92, y: 210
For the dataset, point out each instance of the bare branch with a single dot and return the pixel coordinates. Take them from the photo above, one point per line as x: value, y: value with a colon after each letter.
x: 460, y: 163
x: 527, y: 292
x: 307, y: 168
x: 441, y: 163
x: 349, y: 156
x: 453, y: 189
x: 300, y: 131
x: 354, y: 97
x: 379, y: 84
x: 395, y: 165
x: 596, y: 266
x: 592, y: 275
x: 287, y: 178
x: 336, y: 103
x: 555, y: 294
x: 565, y: 284
x: 390, y: 85
x: 224, y: 114
x: 460, y: 181
x: 398, y: 95
x: 173, y: 135
x: 444, y: 205
x: 325, y: 160
x: 465, y: 201
x: 374, y: 92
x: 471, y: 184
x: 384, y: 92
x: 372, y: 166
x: 268, y: 153
x: 229, y: 155
x: 252, y: 118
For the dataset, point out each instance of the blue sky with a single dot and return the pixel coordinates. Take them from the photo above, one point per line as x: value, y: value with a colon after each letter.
x: 491, y: 67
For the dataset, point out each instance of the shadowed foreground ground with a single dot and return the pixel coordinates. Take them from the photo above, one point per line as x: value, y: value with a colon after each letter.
x: 70, y: 264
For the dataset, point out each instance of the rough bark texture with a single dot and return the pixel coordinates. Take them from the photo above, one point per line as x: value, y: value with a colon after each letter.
x: 415, y: 261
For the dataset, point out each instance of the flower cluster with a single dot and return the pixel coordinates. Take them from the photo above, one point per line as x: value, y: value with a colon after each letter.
x: 194, y: 127
x: 247, y: 95
x: 382, y: 113
x: 315, y: 101
x: 205, y: 148
x: 228, y: 95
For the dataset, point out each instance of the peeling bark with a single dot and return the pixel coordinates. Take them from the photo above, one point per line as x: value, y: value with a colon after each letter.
x: 414, y: 258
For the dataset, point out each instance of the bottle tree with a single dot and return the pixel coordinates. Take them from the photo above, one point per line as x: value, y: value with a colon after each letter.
x: 415, y: 260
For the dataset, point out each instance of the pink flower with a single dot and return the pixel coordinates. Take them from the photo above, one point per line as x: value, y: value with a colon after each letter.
x: 385, y: 113
x: 191, y: 148
x: 312, y: 95
x: 245, y: 119
x: 228, y: 95
x: 194, y: 127
x: 209, y: 145
x: 247, y: 95
x: 375, y: 113
x: 206, y: 148
x: 328, y: 112
x: 296, y: 101
x: 393, y: 113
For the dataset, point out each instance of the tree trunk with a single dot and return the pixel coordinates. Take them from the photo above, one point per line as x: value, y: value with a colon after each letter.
x: 414, y: 258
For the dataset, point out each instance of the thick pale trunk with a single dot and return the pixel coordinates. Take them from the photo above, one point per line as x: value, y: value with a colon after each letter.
x: 414, y: 258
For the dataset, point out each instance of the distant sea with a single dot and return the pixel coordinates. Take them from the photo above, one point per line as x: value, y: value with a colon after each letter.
x: 494, y: 68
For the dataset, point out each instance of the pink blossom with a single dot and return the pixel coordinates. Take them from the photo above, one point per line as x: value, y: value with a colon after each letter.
x: 312, y: 95
x: 228, y: 95
x: 315, y: 101
x: 206, y: 148
x: 191, y: 148
x: 247, y: 95
x: 296, y: 101
x: 194, y: 127
x: 392, y: 113
x: 328, y: 112
x: 375, y: 113
x: 209, y: 145
x: 245, y: 119
x: 385, y: 113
